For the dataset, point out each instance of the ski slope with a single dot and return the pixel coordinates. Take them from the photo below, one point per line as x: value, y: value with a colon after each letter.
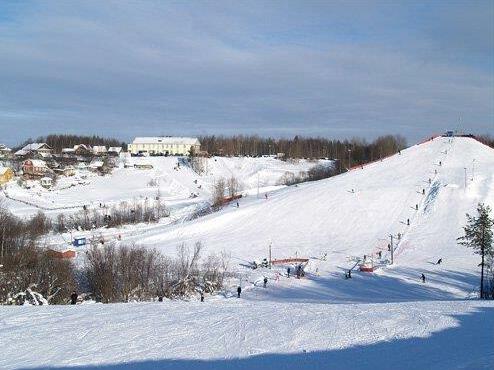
x: 388, y: 319
x: 327, y: 217
x: 238, y: 334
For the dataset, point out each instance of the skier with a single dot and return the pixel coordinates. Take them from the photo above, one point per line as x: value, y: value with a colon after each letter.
x: 408, y: 221
x: 238, y: 205
x: 416, y: 207
x: 439, y: 261
x: 389, y: 247
x: 202, y: 297
x: 440, y: 163
x: 239, y: 290
x: 430, y: 181
x: 265, y: 281
x: 380, y: 253
x: 73, y: 298
x: 423, y: 278
x: 288, y: 272
x: 266, y: 195
x: 423, y: 191
x: 349, y: 274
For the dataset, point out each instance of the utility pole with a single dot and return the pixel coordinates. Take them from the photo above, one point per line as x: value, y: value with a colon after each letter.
x: 392, y: 250
x: 473, y: 168
x: 465, y: 177
x: 270, y: 255
x: 349, y: 159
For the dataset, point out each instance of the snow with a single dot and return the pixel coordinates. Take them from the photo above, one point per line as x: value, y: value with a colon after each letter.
x: 388, y: 319
x: 326, y: 217
x: 239, y: 334
x: 130, y: 184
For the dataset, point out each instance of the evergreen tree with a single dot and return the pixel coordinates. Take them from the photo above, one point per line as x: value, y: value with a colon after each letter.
x: 478, y: 235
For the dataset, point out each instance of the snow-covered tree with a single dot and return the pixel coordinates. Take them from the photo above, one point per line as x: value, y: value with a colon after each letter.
x: 478, y: 235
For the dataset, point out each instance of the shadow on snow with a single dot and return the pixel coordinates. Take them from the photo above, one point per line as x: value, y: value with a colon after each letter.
x: 467, y: 346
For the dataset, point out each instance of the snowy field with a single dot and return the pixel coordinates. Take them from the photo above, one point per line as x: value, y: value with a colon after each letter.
x: 174, y: 183
x: 242, y: 334
x: 388, y: 319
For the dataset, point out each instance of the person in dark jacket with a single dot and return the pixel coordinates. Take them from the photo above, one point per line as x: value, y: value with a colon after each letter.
x: 423, y: 278
x: 439, y: 261
x: 239, y: 290
x: 288, y: 272
x: 202, y: 297
x: 73, y: 297
x: 265, y: 281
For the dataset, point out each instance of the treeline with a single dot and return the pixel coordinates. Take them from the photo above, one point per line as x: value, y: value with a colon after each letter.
x: 27, y: 272
x: 317, y: 172
x: 486, y: 139
x: 60, y: 141
x: 360, y: 150
x: 130, y: 273
x: 123, y: 214
x: 34, y: 274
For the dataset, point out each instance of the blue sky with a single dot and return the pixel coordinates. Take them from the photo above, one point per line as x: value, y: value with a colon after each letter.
x: 330, y: 68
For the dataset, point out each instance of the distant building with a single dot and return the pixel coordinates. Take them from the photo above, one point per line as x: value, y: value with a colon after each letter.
x: 83, y: 149
x: 4, y: 151
x: 6, y: 174
x: 33, y: 168
x: 114, y: 150
x: 96, y: 165
x: 165, y: 145
x: 99, y: 150
x: 42, y: 149
x: 46, y: 182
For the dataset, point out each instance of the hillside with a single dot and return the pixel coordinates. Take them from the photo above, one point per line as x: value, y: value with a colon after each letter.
x: 175, y: 183
x: 327, y: 217
x: 388, y: 319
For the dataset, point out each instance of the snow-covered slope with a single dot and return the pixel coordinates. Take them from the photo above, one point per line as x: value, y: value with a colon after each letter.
x: 353, y: 215
x: 236, y: 334
x: 174, y: 182
x: 385, y: 320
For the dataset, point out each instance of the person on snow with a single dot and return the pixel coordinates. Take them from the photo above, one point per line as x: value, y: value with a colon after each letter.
x: 73, y: 297
x: 416, y: 207
x: 288, y: 272
x: 202, y: 297
x: 423, y: 278
x: 439, y: 261
x: 380, y: 254
x: 423, y: 191
x: 265, y: 281
x: 238, y: 205
x: 349, y: 274
x: 239, y: 290
x: 408, y: 221
x: 266, y: 195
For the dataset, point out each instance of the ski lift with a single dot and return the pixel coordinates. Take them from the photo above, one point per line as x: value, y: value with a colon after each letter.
x: 367, y: 265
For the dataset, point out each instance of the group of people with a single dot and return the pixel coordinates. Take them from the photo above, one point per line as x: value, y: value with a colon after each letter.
x: 299, y: 271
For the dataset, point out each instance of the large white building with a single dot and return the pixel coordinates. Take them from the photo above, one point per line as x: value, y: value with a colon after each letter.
x: 165, y: 145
